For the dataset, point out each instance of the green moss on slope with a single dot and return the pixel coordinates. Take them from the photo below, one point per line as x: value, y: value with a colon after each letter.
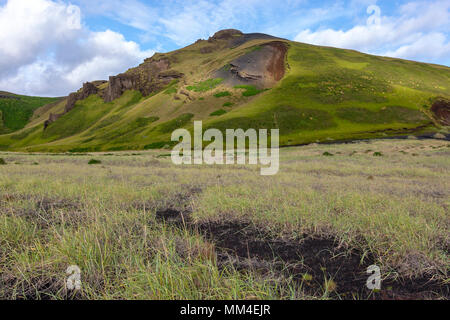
x: 388, y: 114
x: 205, y: 85
x: 174, y: 124
x: 286, y: 118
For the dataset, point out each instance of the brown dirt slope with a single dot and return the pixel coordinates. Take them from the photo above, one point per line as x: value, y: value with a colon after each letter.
x: 441, y: 111
x: 263, y: 66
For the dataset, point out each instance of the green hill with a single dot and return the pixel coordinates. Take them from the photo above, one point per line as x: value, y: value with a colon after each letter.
x: 17, y: 110
x: 235, y: 80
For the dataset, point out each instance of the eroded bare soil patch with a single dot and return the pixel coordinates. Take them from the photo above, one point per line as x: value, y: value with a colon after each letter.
x: 40, y: 287
x: 46, y: 212
x: 441, y: 111
x: 263, y: 66
x: 313, y: 263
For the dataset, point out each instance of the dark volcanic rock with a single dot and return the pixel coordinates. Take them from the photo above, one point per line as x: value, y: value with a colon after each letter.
x: 262, y: 67
x: 118, y: 85
x: 87, y: 89
x: 52, y: 118
x: 441, y: 111
x: 225, y: 35
x: 4, y: 96
x: 237, y: 41
x: 149, y: 77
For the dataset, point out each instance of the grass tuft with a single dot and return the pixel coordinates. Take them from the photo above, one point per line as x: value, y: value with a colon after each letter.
x: 222, y: 94
x: 218, y: 112
x: 249, y: 90
x: 157, y: 145
x: 94, y: 161
x: 377, y: 154
x: 205, y: 86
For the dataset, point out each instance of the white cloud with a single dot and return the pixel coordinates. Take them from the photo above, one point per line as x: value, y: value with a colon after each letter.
x: 435, y: 46
x: 419, y: 32
x: 130, y: 12
x: 201, y: 19
x: 46, y: 50
x: 109, y: 53
x: 28, y: 28
x: 182, y: 21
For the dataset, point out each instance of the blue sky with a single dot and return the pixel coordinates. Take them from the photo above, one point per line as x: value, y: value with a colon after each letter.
x: 49, y: 47
x: 153, y: 27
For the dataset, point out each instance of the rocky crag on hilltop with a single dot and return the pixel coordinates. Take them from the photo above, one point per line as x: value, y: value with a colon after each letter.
x: 6, y: 96
x: 149, y: 77
x: 87, y: 89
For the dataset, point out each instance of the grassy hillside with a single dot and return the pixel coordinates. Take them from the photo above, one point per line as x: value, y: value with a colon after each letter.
x: 339, y: 94
x: 326, y: 94
x: 16, y: 110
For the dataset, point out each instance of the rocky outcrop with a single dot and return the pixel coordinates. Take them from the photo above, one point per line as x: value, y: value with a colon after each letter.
x: 219, y: 41
x: 232, y: 38
x: 52, y: 118
x: 263, y: 66
x: 246, y: 37
x: 241, y: 74
x: 4, y: 96
x: 151, y: 76
x: 441, y: 111
x: 225, y: 35
x: 87, y: 89
x: 118, y: 85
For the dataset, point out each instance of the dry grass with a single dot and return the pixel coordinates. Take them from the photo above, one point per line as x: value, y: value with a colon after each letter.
x: 61, y: 212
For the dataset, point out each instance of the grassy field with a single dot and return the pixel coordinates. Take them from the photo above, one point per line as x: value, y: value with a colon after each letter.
x: 141, y: 228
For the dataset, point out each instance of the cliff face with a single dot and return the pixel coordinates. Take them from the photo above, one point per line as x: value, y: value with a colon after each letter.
x: 149, y: 77
x: 87, y: 89
x: 4, y: 96
x: 263, y: 66
x: 225, y: 35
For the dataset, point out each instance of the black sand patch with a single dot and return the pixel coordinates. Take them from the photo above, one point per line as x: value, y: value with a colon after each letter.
x: 309, y: 261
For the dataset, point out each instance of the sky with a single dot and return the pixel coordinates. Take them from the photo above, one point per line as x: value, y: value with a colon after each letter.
x: 50, y: 47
